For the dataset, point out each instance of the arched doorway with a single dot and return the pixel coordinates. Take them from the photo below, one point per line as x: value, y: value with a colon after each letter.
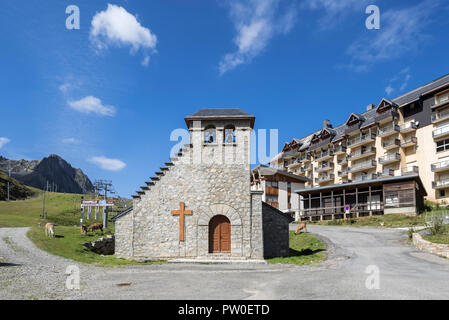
x: 219, y: 234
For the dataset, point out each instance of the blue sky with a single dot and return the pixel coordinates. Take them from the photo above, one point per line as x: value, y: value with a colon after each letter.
x: 106, y: 97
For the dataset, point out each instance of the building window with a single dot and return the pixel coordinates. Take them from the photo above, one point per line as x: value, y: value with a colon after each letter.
x: 442, y: 193
x: 443, y: 145
x: 392, y: 199
x: 229, y: 136
x: 209, y: 135
x: 272, y: 198
x: 274, y: 184
x: 443, y: 98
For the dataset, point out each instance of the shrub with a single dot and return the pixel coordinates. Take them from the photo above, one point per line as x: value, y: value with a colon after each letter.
x: 437, y: 226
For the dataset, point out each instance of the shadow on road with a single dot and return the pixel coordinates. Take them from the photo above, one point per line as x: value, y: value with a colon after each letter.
x: 6, y: 264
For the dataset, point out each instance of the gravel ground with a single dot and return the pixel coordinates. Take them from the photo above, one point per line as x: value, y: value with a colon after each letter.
x: 404, y: 273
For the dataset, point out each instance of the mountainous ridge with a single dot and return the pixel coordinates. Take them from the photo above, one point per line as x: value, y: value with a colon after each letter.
x: 52, y: 169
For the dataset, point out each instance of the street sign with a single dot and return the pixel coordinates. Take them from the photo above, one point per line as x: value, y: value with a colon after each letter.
x: 347, y: 209
x: 97, y: 203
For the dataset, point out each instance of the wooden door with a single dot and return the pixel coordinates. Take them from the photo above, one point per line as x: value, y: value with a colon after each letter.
x: 219, y: 235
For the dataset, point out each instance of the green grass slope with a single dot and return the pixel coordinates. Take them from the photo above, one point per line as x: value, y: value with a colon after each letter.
x: 17, y: 190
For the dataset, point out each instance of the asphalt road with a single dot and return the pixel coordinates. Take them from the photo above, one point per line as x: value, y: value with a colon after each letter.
x: 403, y: 273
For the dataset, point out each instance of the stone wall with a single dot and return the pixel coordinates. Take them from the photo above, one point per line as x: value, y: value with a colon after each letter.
x: 276, y: 232
x: 434, y: 248
x: 211, y: 180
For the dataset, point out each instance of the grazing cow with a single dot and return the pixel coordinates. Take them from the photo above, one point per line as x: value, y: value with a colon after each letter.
x: 302, y: 226
x: 95, y: 226
x: 83, y: 229
x: 50, y: 230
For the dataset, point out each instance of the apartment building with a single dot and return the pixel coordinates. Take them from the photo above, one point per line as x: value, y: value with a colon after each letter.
x: 396, y: 141
x: 278, y: 188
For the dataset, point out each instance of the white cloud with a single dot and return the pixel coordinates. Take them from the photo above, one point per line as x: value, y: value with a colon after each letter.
x: 71, y: 141
x: 92, y: 104
x: 108, y: 164
x: 389, y: 90
x: 64, y: 87
x: 146, y: 61
x: 335, y: 10
x: 116, y: 26
x: 401, y: 79
x: 401, y: 32
x: 256, y: 22
x: 4, y: 141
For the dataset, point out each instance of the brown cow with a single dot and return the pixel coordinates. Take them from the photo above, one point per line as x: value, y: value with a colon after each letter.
x: 302, y: 226
x: 95, y: 226
x: 50, y: 230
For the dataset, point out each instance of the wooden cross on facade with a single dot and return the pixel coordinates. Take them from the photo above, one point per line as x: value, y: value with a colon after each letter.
x: 181, y: 214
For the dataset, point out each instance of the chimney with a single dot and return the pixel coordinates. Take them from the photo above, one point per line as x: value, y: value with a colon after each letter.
x: 326, y: 124
x: 370, y: 107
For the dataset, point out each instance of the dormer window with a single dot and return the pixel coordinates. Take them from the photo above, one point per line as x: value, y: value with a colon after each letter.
x: 229, y: 134
x: 209, y: 135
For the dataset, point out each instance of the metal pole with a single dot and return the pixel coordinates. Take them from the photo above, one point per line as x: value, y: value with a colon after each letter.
x: 105, y: 211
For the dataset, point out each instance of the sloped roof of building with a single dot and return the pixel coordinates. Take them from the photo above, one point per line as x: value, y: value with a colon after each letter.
x: 268, y: 171
x: 220, y: 113
x: 414, y: 95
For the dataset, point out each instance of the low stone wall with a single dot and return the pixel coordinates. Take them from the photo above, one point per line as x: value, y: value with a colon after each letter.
x: 434, y: 248
x: 104, y: 246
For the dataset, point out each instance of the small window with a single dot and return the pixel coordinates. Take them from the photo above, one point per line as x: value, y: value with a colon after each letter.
x: 274, y: 184
x: 442, y: 193
x: 443, y: 145
x: 392, y: 199
x: 209, y: 135
x: 229, y: 136
x: 268, y: 183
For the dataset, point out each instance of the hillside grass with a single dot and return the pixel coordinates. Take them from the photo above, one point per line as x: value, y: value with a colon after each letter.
x: 63, y: 209
x: 305, y: 248
x: 442, y: 238
x: 17, y: 190
x: 68, y: 243
x: 384, y: 221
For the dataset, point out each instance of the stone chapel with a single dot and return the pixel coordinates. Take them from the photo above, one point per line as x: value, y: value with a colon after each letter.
x: 200, y: 204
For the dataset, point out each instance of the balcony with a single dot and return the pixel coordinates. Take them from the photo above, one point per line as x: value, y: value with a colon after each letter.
x: 410, y: 170
x: 390, y: 158
x: 340, y: 150
x: 343, y: 173
x: 325, y: 178
x: 343, y: 161
x: 307, y: 168
x: 440, y: 116
x: 325, y: 155
x: 390, y: 114
x: 412, y: 141
x: 396, y: 143
x: 441, y: 132
x: 365, y: 177
x: 325, y: 167
x: 362, y: 154
x: 409, y: 127
x: 305, y: 158
x: 440, y: 166
x: 363, y: 166
x: 363, y: 139
x: 294, y: 163
x: 386, y: 173
x: 388, y: 130
x: 440, y: 184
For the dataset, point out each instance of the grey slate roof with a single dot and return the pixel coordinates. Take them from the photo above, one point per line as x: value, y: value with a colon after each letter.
x: 415, y: 94
x: 267, y: 171
x: 218, y: 113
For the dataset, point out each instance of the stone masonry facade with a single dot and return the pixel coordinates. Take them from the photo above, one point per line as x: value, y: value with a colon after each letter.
x: 211, y: 180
